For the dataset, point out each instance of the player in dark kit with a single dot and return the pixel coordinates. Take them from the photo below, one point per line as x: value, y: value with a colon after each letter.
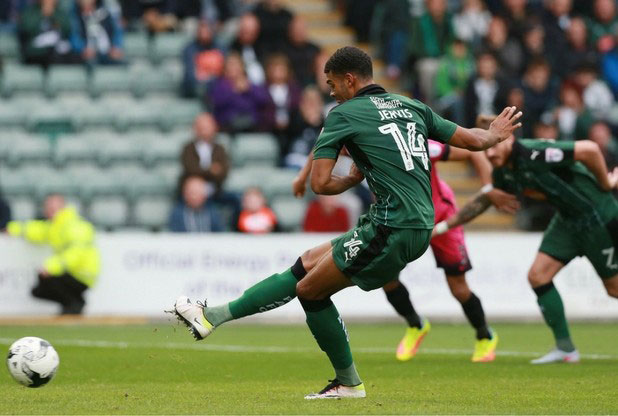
x: 386, y: 136
x: 573, y: 178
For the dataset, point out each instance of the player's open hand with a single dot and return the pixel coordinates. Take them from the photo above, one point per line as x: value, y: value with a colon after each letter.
x: 506, y: 123
x: 503, y: 201
x: 299, y: 187
x: 612, y: 177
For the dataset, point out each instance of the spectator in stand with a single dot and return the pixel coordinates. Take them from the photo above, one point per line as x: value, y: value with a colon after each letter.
x: 256, y: 217
x: 202, y: 62
x: 609, y: 65
x: 431, y: 35
x: 304, y: 128
x: 44, y: 30
x: 156, y: 15
x: 578, y: 51
x: 320, y: 81
x: 96, y: 35
x: 505, y: 48
x: 603, y: 25
x: 545, y: 129
x: 534, y: 46
x: 572, y: 117
x: 472, y: 22
x: 5, y: 212
x: 326, y: 215
x: 598, y: 98
x: 518, y: 15
x: 195, y: 213
x: 556, y: 21
x: 274, y: 22
x: 203, y: 156
x: 239, y: 105
x: 75, y: 263
x: 246, y: 46
x: 284, y: 95
x: 301, y: 52
x: 359, y: 15
x: 539, y: 91
x: 453, y: 74
x: 391, y: 27
x: 601, y: 134
x: 484, y: 89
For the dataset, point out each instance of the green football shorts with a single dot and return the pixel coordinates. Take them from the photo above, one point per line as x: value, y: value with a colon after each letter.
x: 599, y: 244
x: 372, y: 254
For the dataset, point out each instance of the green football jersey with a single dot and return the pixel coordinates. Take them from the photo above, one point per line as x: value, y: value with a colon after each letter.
x: 546, y: 170
x: 386, y: 136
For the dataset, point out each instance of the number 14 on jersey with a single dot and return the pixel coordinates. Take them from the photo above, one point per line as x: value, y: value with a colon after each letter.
x: 414, y: 146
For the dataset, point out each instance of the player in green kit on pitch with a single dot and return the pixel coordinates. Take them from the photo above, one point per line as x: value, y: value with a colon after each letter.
x: 573, y: 178
x: 386, y: 135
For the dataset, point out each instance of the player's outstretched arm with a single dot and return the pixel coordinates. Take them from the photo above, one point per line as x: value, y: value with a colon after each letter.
x: 323, y: 182
x: 299, y: 184
x: 589, y: 153
x: 500, y: 129
x: 470, y: 211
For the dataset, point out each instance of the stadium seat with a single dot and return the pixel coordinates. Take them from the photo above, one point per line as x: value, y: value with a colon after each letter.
x: 55, y: 181
x: 180, y: 115
x: 9, y: 48
x: 145, y: 114
x: 33, y: 149
x: 21, y: 78
x: 169, y: 45
x: 66, y: 78
x: 109, y: 212
x: 110, y: 79
x: 16, y: 182
x: 119, y: 150
x: 290, y: 212
x: 75, y: 148
x: 136, y: 46
x: 152, y: 212
x: 161, y: 149
x: 169, y: 171
x: 279, y: 183
x: 91, y: 181
x: 14, y: 112
x: 50, y: 119
x: 255, y: 148
x: 240, y: 179
x: 22, y: 208
x: 155, y: 80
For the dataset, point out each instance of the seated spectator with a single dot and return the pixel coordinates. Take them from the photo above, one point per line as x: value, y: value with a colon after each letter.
x: 245, y: 44
x: 545, y: 129
x: 325, y: 214
x: 598, y: 98
x: 156, y: 15
x: 390, y: 27
x: 603, y: 25
x: 472, y: 22
x: 239, y: 105
x: 534, y: 45
x: 304, y: 128
x: 359, y: 16
x: 256, y: 217
x: 556, y: 20
x: 320, y: 82
x: 44, y: 30
x: 96, y: 34
x: 506, y: 49
x: 518, y: 14
x: 195, y: 213
x: 274, y: 21
x: 601, y: 134
x: 202, y: 62
x: 431, y: 35
x: 301, y: 52
x: 483, y: 89
x: 571, y: 111
x: 539, y: 90
x: 453, y: 74
x: 284, y: 95
x: 203, y: 156
x: 578, y: 52
x: 75, y: 263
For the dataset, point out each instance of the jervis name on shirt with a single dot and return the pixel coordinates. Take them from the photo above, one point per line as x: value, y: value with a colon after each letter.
x: 392, y: 114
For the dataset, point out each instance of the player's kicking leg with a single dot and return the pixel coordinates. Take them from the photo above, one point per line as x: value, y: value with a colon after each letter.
x: 541, y: 277
x: 418, y: 327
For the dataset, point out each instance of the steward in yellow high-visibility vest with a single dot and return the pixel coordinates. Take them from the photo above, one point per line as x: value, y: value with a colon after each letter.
x: 75, y: 264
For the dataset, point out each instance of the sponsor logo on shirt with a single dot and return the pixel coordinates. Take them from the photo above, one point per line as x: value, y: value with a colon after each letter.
x: 554, y: 155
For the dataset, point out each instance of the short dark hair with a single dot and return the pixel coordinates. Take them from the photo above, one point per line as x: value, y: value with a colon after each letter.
x: 350, y: 59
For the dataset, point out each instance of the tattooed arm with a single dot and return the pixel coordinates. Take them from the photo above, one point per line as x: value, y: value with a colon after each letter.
x: 470, y: 211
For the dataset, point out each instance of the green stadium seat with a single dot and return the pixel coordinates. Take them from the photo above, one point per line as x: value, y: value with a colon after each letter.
x: 290, y: 212
x: 74, y: 148
x: 17, y: 182
x: 152, y: 212
x: 161, y: 149
x: 21, y: 78
x: 32, y: 149
x: 50, y: 119
x: 119, y: 150
x: 155, y: 80
x: 66, y: 78
x: 144, y: 114
x: 14, y: 113
x: 169, y: 171
x: 110, y: 79
x: 9, y: 47
x: 92, y: 181
x: 136, y: 46
x: 255, y: 148
x: 109, y: 212
x: 169, y: 45
x: 55, y: 182
x: 180, y: 114
x: 279, y: 183
x: 240, y: 179
x: 23, y: 208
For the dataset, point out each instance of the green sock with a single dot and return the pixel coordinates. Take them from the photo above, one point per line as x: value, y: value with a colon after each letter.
x: 552, y: 308
x: 329, y: 331
x: 270, y: 293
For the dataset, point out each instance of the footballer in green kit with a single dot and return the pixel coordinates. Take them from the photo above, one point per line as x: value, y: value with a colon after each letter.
x: 386, y: 136
x: 573, y: 178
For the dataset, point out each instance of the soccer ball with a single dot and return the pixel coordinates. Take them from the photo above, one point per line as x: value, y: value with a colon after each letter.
x: 32, y: 361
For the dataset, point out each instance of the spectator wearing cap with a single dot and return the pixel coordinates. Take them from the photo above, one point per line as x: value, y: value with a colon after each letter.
x: 202, y: 62
x: 96, y: 34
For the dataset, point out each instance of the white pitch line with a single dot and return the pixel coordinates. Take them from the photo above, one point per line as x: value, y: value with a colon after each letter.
x: 276, y: 349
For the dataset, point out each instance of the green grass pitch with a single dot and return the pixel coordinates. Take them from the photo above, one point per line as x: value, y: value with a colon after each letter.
x: 258, y: 369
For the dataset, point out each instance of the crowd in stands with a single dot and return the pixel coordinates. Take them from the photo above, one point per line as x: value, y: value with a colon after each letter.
x: 252, y: 67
